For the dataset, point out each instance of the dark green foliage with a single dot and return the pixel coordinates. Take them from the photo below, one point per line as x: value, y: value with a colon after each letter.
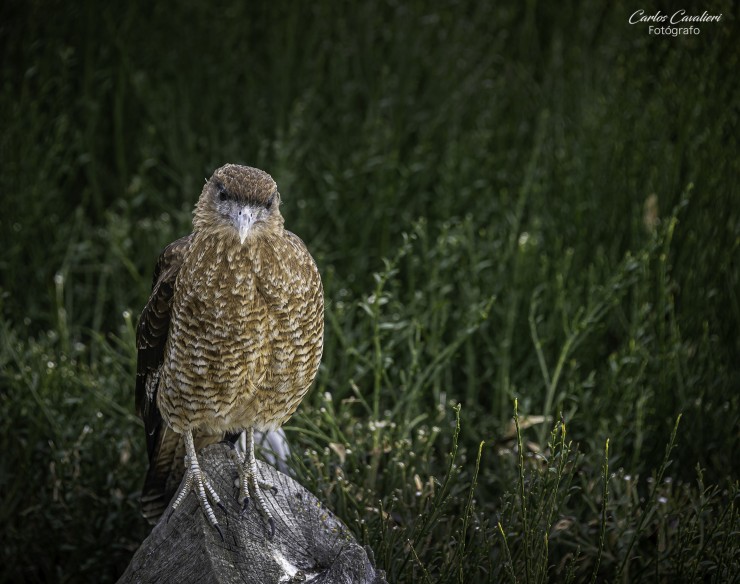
x: 532, y: 201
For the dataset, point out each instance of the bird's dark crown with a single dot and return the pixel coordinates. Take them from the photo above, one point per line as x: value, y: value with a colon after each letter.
x: 244, y: 184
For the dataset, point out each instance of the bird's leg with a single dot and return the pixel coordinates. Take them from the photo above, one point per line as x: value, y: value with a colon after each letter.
x: 196, y: 480
x: 251, y: 486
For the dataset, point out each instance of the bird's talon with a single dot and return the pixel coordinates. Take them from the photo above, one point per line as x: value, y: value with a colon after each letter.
x: 221, y: 506
x: 221, y: 533
x: 251, y: 486
x: 245, y: 506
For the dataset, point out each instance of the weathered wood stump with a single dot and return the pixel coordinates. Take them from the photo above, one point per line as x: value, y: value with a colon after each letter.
x: 310, y: 543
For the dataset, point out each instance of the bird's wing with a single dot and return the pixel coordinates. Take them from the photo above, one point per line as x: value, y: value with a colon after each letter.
x: 151, y: 334
x: 151, y: 337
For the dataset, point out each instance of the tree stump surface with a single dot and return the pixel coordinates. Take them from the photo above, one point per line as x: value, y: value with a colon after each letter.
x: 310, y: 543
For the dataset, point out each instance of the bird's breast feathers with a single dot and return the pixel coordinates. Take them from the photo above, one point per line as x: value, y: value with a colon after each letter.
x: 274, y: 272
x: 247, y: 322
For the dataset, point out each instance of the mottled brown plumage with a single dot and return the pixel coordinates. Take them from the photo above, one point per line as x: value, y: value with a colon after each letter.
x: 231, y: 337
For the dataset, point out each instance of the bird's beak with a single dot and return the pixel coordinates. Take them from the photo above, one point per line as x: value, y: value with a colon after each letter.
x: 245, y: 219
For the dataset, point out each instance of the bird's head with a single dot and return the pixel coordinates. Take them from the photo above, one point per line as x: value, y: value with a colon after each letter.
x: 240, y: 201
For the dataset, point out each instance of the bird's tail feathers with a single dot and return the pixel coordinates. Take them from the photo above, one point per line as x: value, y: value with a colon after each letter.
x: 166, y: 469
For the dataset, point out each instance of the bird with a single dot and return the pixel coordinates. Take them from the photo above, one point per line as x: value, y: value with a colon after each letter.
x: 229, y: 341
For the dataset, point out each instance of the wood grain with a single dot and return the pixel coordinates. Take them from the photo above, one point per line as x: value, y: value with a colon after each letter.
x: 310, y: 543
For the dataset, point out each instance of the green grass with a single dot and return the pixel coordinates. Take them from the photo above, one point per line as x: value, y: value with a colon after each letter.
x: 522, y: 210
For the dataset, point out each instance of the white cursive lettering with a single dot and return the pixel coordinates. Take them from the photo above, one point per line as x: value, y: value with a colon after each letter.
x: 639, y: 16
x: 676, y: 18
x: 680, y: 16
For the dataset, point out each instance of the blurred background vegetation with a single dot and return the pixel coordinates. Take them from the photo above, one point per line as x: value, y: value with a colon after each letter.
x: 507, y: 201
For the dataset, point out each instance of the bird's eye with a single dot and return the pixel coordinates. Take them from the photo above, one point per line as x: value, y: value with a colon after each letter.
x: 222, y: 191
x: 269, y: 202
